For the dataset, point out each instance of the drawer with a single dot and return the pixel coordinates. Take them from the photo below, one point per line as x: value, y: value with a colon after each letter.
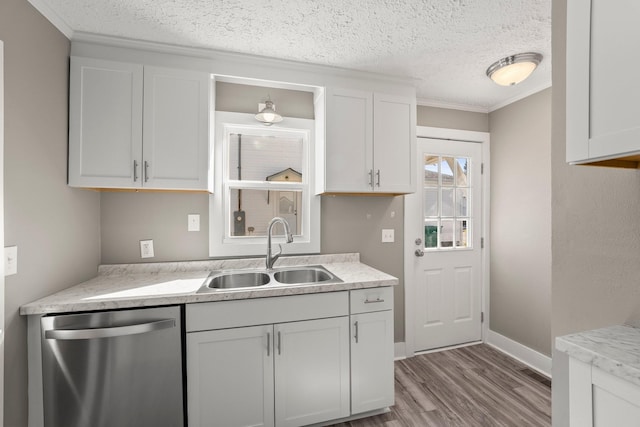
x: 373, y: 299
x: 261, y: 311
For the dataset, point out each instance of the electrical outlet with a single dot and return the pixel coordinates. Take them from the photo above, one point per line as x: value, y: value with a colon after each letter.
x: 146, y: 249
x: 388, y: 235
x: 10, y: 260
x: 193, y: 222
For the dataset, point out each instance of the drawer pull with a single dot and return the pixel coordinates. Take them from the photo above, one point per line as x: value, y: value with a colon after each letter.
x: 367, y: 301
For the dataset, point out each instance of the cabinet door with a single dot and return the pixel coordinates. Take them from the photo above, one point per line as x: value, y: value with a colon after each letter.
x: 230, y: 377
x: 372, y: 378
x: 176, y: 129
x: 105, y: 123
x: 348, y: 153
x: 312, y: 371
x: 603, y: 115
x: 394, y: 141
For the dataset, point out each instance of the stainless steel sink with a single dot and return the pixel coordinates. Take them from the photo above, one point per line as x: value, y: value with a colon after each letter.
x: 302, y: 275
x: 237, y: 280
x: 232, y: 279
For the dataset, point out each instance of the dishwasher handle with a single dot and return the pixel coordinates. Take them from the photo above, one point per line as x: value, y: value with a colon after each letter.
x: 116, y: 331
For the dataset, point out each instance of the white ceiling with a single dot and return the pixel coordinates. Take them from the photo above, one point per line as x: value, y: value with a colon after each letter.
x: 446, y: 45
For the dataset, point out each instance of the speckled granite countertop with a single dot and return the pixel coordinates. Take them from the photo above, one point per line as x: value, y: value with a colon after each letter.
x: 153, y: 284
x: 615, y: 349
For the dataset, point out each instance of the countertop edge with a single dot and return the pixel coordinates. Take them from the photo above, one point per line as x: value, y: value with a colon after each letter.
x: 86, y: 296
x: 612, y: 355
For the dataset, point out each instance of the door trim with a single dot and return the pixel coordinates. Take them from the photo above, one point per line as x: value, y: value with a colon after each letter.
x: 409, y: 289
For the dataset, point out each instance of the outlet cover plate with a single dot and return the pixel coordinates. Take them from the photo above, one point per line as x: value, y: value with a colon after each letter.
x: 146, y: 249
x: 10, y: 260
x: 193, y: 222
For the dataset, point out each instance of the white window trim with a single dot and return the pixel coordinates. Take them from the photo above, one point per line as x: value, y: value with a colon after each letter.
x: 219, y: 202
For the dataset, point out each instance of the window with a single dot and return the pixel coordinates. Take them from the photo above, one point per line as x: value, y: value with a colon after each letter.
x: 260, y: 173
x: 447, y: 203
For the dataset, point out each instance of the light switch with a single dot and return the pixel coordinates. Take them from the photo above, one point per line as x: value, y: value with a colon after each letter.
x: 388, y: 235
x: 10, y: 260
x: 146, y: 249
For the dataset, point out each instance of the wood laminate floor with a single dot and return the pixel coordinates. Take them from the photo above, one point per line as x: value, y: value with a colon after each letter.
x: 470, y: 386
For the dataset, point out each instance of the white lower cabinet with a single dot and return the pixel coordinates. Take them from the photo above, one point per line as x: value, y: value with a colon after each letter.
x: 372, y: 361
x: 230, y: 377
x: 311, y: 371
x: 372, y: 376
x: 277, y: 374
x: 600, y: 399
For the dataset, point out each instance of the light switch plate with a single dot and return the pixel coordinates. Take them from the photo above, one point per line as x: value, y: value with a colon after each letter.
x: 10, y: 260
x: 388, y: 235
x: 146, y: 249
x: 193, y: 222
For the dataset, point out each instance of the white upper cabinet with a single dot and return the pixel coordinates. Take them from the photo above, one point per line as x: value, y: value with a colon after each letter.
x: 603, y: 89
x: 138, y: 127
x: 176, y: 129
x: 105, y: 123
x: 370, y: 140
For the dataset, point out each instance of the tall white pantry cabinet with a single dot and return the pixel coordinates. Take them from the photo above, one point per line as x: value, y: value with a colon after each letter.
x: 138, y: 127
x: 603, y: 89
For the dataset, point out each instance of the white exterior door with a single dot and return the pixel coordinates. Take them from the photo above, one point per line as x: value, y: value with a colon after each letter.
x: 443, y: 225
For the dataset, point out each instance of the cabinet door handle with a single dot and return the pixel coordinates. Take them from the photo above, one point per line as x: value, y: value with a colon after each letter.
x: 135, y: 170
x: 355, y: 327
x: 368, y: 301
x: 279, y: 343
x: 371, y: 178
x: 146, y: 171
x: 378, y: 178
x: 268, y: 344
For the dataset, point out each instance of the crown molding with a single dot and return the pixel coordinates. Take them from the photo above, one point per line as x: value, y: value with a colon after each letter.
x: 451, y: 105
x: 520, y: 96
x: 45, y: 10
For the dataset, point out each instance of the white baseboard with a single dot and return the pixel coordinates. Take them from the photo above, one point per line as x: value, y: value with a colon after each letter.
x: 524, y: 354
x: 399, y: 351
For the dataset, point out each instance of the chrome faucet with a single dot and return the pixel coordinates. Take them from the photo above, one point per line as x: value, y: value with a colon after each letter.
x: 271, y: 259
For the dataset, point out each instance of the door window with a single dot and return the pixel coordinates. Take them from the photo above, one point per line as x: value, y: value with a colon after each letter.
x: 447, y: 202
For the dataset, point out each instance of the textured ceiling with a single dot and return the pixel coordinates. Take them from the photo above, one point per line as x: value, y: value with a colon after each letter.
x: 445, y: 44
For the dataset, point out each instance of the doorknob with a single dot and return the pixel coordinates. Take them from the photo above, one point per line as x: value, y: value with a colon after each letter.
x: 419, y: 252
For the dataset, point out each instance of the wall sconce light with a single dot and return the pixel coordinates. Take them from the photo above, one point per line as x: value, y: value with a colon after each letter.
x: 513, y: 69
x: 267, y: 113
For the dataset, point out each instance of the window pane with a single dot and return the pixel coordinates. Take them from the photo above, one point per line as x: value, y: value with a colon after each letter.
x: 431, y: 234
x: 446, y: 169
x: 430, y: 202
x: 265, y: 158
x: 462, y: 172
x: 251, y: 210
x: 462, y: 234
x: 431, y: 170
x: 446, y: 233
x: 447, y: 202
x: 462, y: 202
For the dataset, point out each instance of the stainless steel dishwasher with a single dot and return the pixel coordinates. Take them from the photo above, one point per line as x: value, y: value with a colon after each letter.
x: 113, y: 368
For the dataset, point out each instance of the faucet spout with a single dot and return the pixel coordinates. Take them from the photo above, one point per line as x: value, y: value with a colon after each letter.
x: 271, y: 258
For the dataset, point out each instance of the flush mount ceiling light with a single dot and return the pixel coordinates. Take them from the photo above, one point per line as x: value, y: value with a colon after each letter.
x: 513, y: 69
x: 267, y: 114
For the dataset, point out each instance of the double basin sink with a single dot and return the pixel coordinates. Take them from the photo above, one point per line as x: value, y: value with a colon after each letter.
x: 232, y: 279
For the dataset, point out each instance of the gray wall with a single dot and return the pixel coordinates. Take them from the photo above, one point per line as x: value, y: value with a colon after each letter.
x: 521, y: 221
x: 452, y: 119
x: 55, y: 227
x: 595, y: 233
